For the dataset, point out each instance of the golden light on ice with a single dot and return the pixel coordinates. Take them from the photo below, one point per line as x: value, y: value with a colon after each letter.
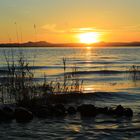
x: 89, y: 37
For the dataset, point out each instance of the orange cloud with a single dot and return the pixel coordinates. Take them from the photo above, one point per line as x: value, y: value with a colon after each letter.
x: 51, y: 28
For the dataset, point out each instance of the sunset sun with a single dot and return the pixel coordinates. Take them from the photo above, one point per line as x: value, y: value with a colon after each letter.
x: 89, y: 37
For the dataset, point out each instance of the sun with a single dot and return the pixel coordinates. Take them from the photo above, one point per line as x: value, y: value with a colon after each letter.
x: 89, y: 37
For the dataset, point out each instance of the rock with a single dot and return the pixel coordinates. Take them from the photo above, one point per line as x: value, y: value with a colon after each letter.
x: 119, y: 111
x: 111, y: 111
x: 60, y: 107
x: 87, y: 110
x: 8, y: 112
x: 71, y: 110
x: 2, y: 115
x: 23, y: 115
x: 59, y: 113
x: 128, y: 112
x: 43, y: 113
x: 49, y: 111
x: 59, y: 110
x: 102, y: 110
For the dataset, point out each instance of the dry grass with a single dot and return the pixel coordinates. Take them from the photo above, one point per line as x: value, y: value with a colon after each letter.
x: 20, y: 85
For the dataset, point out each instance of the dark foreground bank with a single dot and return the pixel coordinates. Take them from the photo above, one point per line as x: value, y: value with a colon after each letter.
x: 59, y: 105
x: 93, y: 116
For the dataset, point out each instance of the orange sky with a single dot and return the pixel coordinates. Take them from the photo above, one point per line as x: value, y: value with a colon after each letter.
x: 61, y: 21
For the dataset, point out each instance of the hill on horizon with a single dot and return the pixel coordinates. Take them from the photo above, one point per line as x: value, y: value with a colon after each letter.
x: 48, y: 44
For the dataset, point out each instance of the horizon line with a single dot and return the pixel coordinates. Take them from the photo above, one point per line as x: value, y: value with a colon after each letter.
x: 41, y: 41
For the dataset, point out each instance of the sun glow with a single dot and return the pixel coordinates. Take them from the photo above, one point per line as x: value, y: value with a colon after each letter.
x: 89, y: 37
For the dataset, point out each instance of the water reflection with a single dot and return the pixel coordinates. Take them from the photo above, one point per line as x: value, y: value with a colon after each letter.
x: 73, y: 128
x: 89, y: 88
x: 88, y: 51
x: 88, y: 56
x: 88, y: 47
x: 87, y: 60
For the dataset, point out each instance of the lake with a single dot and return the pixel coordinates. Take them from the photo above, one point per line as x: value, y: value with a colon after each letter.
x: 103, y: 69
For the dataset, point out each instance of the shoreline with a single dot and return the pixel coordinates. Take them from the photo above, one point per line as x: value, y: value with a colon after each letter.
x: 26, y: 110
x: 69, y: 45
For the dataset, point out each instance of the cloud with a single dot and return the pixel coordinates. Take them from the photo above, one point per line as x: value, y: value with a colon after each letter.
x: 126, y: 28
x: 134, y: 28
x: 86, y: 29
x: 82, y: 30
x: 51, y: 28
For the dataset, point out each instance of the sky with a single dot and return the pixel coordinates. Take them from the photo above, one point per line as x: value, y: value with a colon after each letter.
x: 61, y: 21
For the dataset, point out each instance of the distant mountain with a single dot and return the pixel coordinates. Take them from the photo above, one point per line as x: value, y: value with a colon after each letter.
x: 27, y: 44
x: 47, y: 44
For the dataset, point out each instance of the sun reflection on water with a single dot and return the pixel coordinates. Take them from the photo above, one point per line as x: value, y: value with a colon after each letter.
x: 106, y: 126
x: 88, y: 89
x: 73, y: 128
x: 88, y: 47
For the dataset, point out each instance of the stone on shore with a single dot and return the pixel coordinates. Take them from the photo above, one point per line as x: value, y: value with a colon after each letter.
x: 23, y: 115
x: 59, y: 110
x: 87, y: 110
x: 6, y: 114
x: 128, y: 112
x: 71, y: 110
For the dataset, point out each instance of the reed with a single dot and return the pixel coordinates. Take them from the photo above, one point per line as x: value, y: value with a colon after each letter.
x: 134, y: 72
x: 21, y: 87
